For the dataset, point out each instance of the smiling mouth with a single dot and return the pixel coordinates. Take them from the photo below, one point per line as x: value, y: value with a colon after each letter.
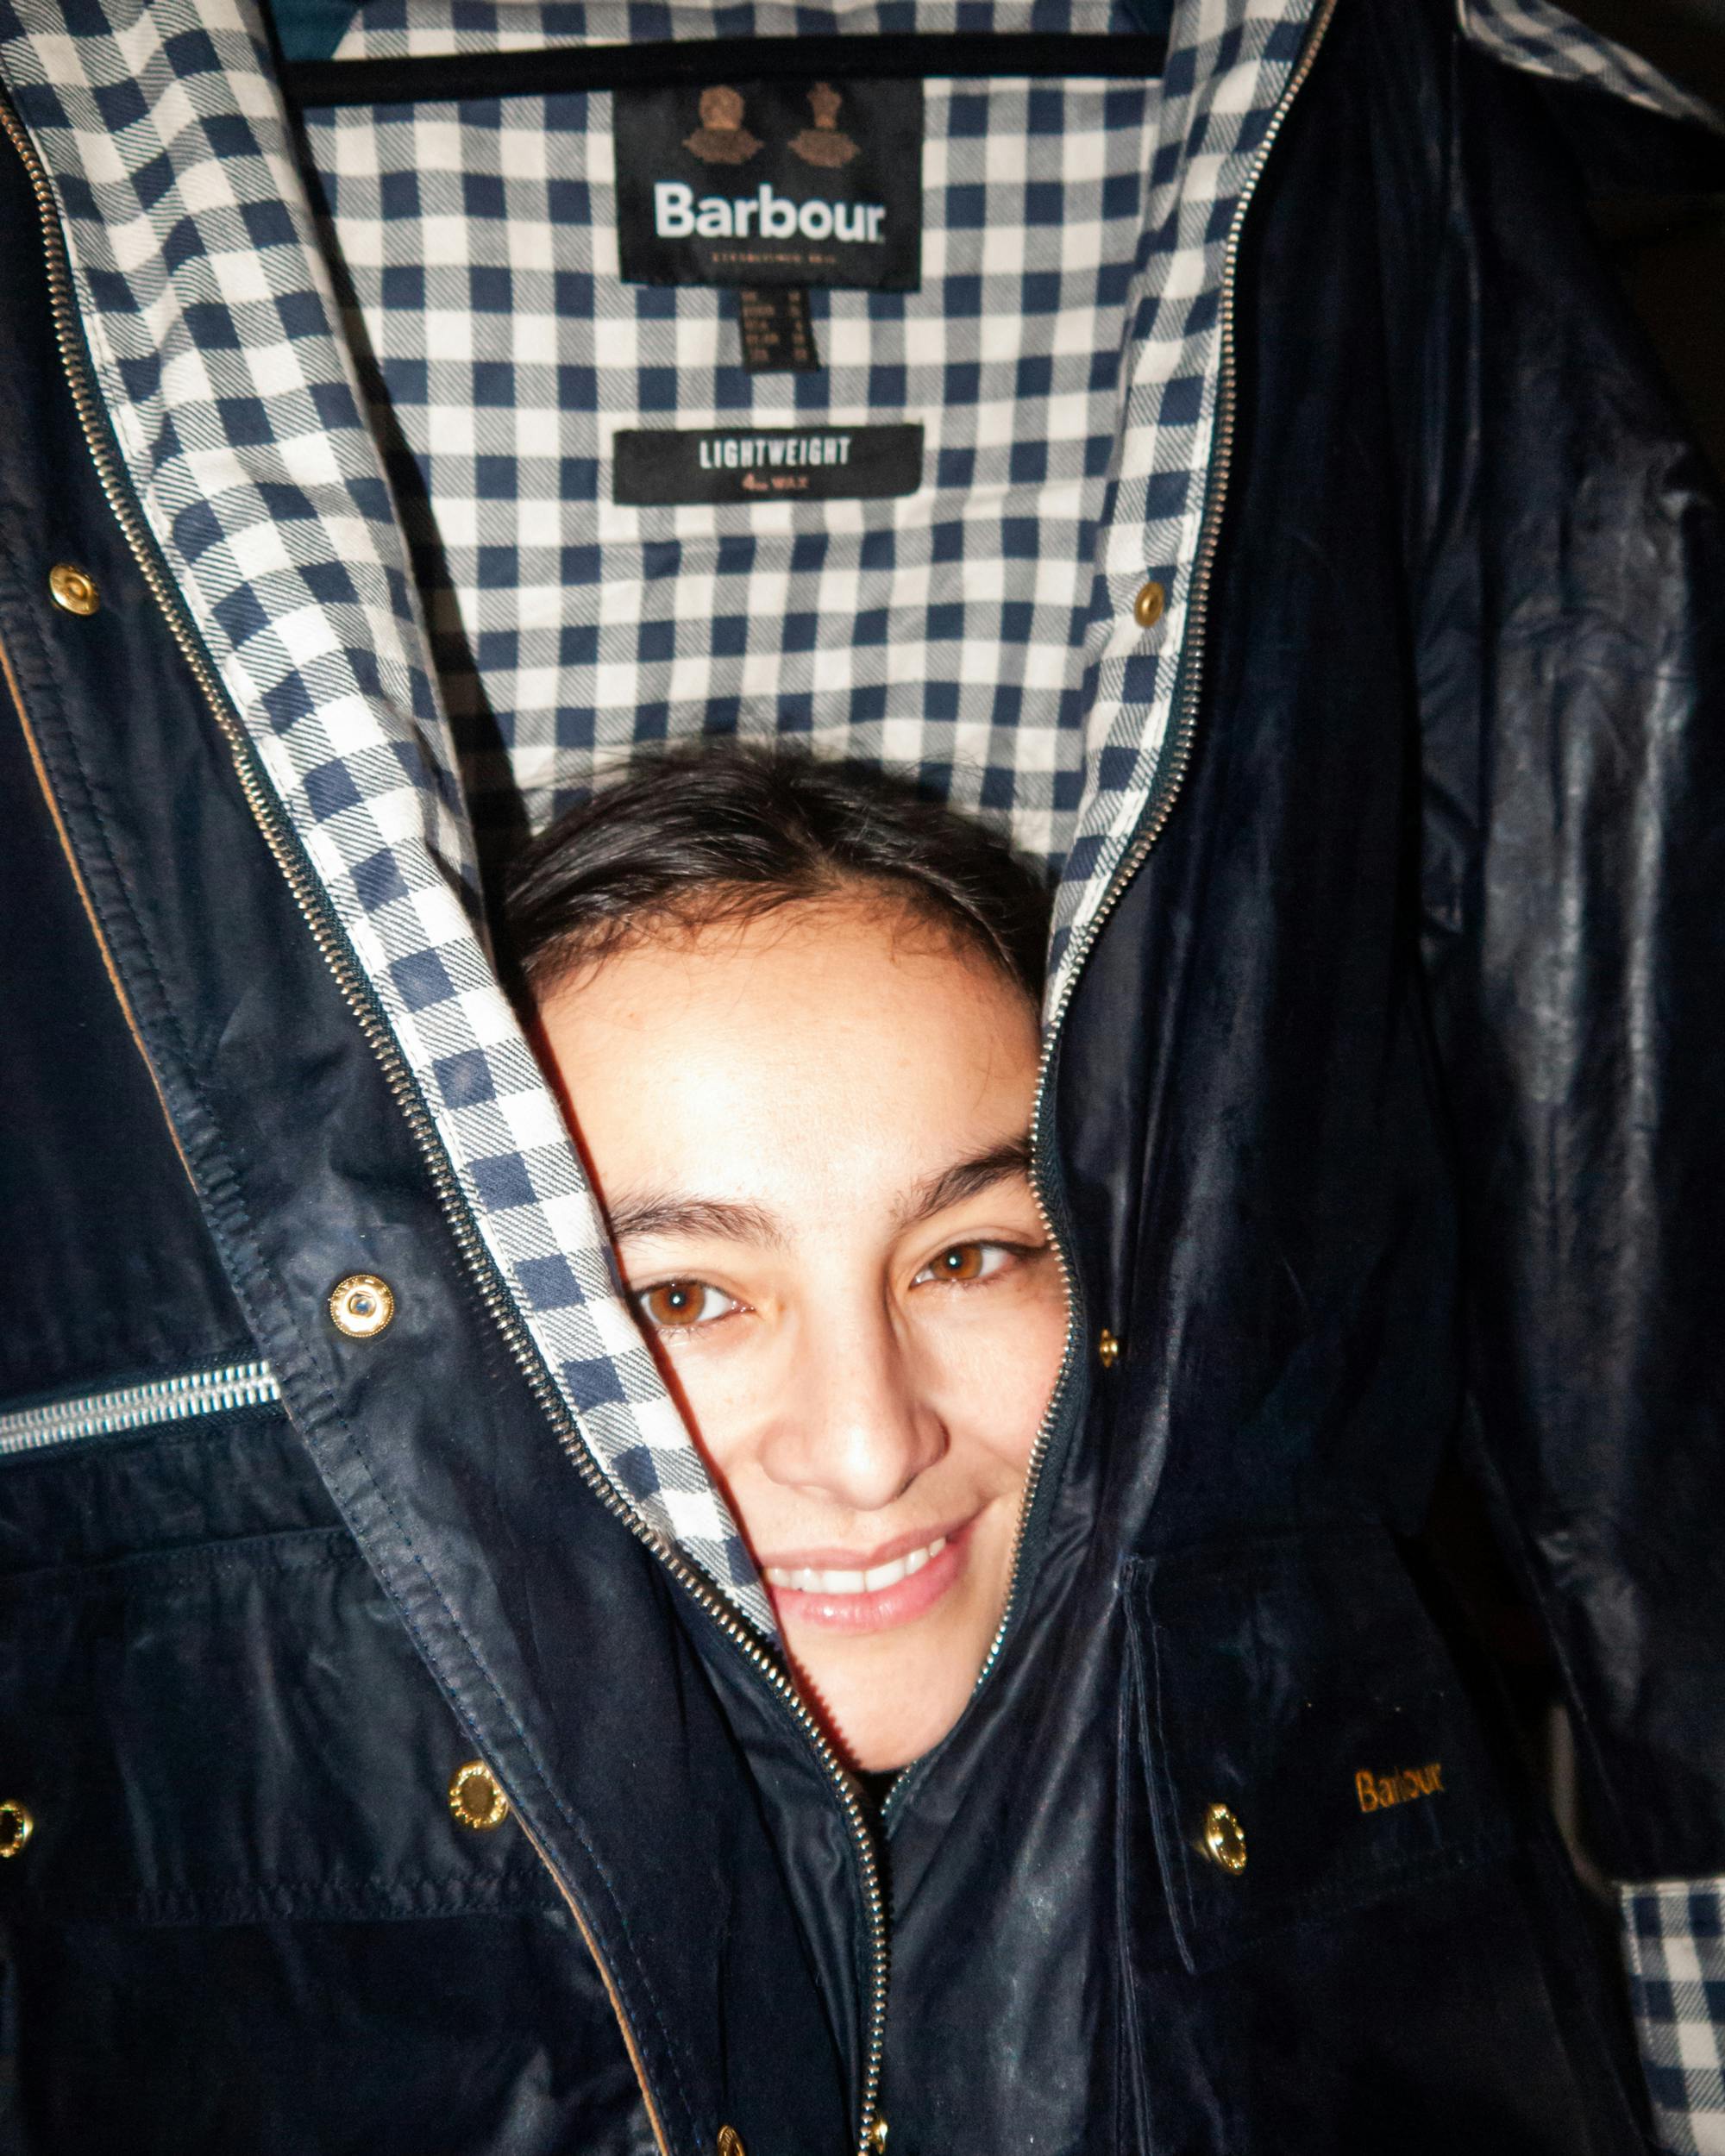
x: 807, y: 1580
x: 877, y: 1597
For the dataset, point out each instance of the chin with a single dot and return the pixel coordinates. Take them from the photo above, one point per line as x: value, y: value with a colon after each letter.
x: 887, y: 1713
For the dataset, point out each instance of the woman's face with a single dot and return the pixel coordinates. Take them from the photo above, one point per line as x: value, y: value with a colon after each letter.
x: 809, y: 1135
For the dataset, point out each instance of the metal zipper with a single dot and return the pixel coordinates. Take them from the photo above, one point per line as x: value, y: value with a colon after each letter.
x: 356, y: 994
x: 109, y: 1414
x: 1165, y: 792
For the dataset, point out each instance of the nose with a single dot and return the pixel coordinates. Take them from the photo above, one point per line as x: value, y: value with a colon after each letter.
x: 854, y: 1429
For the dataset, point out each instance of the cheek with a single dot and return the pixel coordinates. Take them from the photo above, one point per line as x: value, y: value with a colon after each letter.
x: 724, y: 1391
x: 991, y: 1376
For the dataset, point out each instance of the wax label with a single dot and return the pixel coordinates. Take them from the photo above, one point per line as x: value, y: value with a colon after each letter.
x: 665, y: 465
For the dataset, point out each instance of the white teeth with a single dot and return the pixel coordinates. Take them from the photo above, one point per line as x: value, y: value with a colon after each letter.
x: 805, y: 1580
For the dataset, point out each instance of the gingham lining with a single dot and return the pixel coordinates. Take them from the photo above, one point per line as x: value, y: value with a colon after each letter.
x: 945, y: 632
x: 1674, y: 1937
x: 1533, y: 35
x: 212, y: 331
x: 858, y: 636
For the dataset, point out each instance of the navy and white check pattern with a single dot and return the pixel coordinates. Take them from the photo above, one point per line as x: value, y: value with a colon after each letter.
x: 945, y: 632
x: 1063, y: 356
x: 1542, y: 40
x: 1674, y: 1938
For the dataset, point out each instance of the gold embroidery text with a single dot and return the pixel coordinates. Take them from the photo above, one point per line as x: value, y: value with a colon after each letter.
x: 1378, y: 1792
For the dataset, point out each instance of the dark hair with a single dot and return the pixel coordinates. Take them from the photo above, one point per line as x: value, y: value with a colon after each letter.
x: 728, y: 833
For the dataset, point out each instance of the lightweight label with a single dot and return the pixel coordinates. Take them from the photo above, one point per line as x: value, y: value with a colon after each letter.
x: 665, y: 465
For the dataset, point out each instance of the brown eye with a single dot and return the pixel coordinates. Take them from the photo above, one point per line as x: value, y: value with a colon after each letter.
x: 965, y: 1263
x: 678, y: 1305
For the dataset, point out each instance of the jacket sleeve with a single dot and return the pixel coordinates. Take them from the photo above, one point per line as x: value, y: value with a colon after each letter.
x: 1568, y: 564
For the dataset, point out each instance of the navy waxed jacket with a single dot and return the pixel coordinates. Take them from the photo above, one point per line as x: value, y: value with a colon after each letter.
x: 395, y: 1752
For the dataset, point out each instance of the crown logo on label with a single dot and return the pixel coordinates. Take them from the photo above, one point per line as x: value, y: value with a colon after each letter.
x: 823, y: 144
x: 721, y: 138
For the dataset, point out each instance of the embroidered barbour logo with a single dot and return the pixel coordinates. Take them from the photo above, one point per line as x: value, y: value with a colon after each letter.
x: 823, y: 145
x: 770, y: 184
x: 721, y: 138
x: 677, y: 214
x: 1378, y: 1792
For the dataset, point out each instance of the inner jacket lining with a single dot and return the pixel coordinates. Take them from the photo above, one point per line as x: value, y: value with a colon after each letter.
x: 944, y: 632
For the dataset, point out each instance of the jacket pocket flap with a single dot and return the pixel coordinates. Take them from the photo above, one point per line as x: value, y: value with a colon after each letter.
x: 1307, y: 1745
x: 239, y: 1732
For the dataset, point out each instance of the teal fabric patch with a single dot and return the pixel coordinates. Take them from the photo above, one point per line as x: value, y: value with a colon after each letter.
x: 310, y: 29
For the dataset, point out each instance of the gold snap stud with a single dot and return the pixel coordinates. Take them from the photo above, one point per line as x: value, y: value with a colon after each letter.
x: 475, y: 1799
x: 731, y: 2142
x: 1107, y: 1349
x: 72, y: 588
x: 361, y: 1306
x: 15, y: 1828
x: 1224, y: 1839
x: 1148, y: 606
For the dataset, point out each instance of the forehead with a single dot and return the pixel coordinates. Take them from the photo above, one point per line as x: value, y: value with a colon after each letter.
x: 824, y: 1050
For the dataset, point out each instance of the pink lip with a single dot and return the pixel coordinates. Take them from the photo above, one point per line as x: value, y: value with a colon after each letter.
x: 890, y: 1606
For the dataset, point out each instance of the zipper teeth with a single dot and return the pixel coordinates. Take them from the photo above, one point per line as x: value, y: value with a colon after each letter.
x: 1166, y: 788
x: 405, y: 1093
x: 177, y: 1399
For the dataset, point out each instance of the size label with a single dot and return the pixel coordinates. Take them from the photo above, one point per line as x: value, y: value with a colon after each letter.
x: 765, y: 184
x: 777, y: 331
x: 665, y: 465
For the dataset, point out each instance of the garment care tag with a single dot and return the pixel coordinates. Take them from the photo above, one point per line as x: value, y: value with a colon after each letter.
x: 659, y: 466
x: 771, y: 183
x: 778, y: 330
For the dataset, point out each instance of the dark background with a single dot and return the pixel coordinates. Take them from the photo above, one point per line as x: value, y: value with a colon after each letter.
x: 1684, y: 37
x: 1670, y: 252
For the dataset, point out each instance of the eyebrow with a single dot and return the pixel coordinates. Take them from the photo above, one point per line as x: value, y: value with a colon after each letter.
x: 965, y: 1179
x: 660, y: 1212
x: 664, y: 1212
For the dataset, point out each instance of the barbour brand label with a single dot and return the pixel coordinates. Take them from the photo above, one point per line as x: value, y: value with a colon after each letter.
x: 663, y: 465
x: 764, y: 184
x: 1403, y: 1785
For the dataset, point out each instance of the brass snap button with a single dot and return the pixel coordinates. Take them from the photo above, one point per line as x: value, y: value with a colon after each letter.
x: 15, y: 1828
x: 72, y: 588
x: 1107, y: 1349
x: 1224, y: 1839
x: 475, y: 1799
x: 361, y: 1306
x: 731, y: 2142
x: 1148, y: 606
